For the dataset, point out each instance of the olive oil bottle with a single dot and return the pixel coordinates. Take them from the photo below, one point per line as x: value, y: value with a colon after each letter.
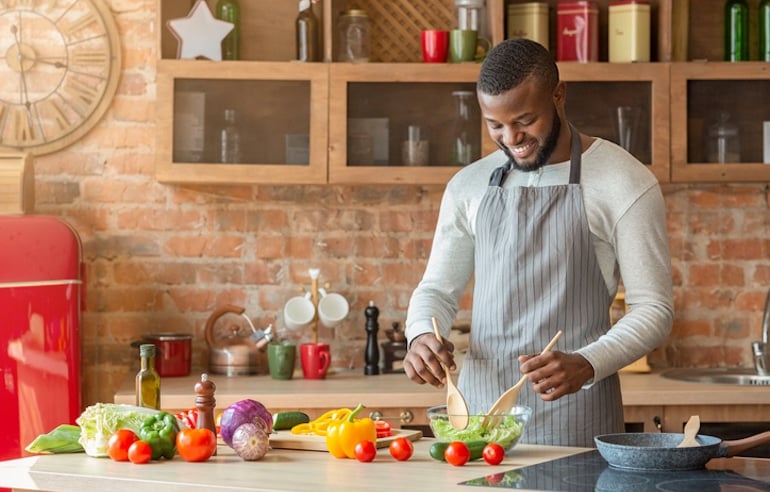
x: 147, y: 379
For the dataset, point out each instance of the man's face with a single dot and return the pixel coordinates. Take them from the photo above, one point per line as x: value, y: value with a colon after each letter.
x: 525, y: 123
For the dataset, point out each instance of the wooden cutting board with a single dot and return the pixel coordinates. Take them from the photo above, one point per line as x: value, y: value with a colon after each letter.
x: 286, y: 440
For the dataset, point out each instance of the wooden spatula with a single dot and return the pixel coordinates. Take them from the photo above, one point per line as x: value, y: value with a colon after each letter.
x: 456, y: 407
x: 690, y: 431
x: 508, y: 399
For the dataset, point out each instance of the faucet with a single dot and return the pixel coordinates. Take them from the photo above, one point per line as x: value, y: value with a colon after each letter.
x: 761, y: 349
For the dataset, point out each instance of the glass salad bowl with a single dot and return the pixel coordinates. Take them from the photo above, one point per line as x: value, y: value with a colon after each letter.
x: 506, y: 432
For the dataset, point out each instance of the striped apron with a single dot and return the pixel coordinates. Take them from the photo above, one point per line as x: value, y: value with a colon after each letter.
x: 536, y: 272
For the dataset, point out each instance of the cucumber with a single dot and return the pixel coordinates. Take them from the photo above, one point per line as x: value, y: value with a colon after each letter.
x: 287, y: 420
x: 475, y: 447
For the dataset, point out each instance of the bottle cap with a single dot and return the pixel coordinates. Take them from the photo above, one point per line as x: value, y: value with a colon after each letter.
x: 147, y: 349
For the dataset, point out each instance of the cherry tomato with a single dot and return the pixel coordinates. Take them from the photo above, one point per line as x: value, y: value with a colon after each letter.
x: 401, y: 448
x: 493, y: 453
x: 196, y: 444
x: 120, y: 441
x: 383, y: 428
x: 457, y: 453
x: 140, y: 452
x: 365, y: 451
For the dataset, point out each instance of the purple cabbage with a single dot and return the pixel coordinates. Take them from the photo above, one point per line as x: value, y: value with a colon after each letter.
x: 244, y: 412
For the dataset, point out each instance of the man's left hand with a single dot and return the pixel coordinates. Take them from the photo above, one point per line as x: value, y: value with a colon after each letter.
x: 554, y: 374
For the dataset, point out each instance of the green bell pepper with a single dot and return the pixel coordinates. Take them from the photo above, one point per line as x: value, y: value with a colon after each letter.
x: 159, y: 431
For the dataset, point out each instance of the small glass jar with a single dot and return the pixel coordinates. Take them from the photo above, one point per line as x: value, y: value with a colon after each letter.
x: 724, y: 142
x: 354, y: 37
x: 415, y: 150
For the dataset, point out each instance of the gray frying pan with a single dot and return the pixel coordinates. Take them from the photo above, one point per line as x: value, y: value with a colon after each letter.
x: 652, y: 451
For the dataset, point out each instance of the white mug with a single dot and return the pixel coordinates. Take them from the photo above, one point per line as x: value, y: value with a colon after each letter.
x: 332, y: 309
x: 298, y: 312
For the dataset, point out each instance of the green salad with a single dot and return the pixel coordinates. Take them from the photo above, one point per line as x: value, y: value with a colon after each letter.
x: 505, y: 434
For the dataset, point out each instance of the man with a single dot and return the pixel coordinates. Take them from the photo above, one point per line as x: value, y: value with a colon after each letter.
x: 546, y: 226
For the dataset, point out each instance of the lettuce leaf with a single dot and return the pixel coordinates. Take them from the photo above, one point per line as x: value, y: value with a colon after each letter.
x: 506, y: 434
x: 98, y: 422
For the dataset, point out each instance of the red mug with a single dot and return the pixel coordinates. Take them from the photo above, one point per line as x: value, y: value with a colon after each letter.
x: 174, y: 355
x: 315, y: 360
x: 435, y: 45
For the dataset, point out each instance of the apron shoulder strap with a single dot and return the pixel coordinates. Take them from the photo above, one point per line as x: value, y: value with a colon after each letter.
x: 575, y: 156
x: 498, y: 175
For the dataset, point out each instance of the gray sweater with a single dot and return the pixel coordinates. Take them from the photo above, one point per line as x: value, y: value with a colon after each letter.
x: 626, y: 215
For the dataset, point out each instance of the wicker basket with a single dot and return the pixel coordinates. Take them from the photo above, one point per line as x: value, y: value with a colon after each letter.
x: 396, y: 25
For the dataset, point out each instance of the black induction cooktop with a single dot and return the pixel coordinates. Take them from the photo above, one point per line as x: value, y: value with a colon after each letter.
x: 590, y: 472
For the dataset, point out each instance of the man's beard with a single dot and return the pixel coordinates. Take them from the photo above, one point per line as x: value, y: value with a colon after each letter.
x: 544, y: 153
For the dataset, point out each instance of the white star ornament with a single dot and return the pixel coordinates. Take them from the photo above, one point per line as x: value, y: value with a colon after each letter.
x: 200, y: 34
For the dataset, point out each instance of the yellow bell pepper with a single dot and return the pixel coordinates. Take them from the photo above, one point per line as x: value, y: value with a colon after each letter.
x: 342, y: 435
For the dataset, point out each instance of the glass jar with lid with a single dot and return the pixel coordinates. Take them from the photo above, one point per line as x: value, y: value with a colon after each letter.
x: 354, y: 36
x: 469, y: 13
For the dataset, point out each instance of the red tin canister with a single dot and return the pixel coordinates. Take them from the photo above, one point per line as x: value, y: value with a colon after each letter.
x: 578, y: 31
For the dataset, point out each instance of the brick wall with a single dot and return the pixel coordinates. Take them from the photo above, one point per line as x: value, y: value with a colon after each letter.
x: 162, y: 258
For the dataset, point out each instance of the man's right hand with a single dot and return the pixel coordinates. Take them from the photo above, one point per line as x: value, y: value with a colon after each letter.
x: 423, y: 360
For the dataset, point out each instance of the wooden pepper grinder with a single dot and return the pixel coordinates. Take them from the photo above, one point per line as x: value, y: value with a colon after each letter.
x: 372, y: 354
x: 205, y: 403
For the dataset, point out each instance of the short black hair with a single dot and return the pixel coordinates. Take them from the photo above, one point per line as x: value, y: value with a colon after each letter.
x: 512, y: 62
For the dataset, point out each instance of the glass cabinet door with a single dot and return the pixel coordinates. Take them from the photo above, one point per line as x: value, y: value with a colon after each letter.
x: 719, y: 111
x: 396, y: 123
x: 232, y: 122
x: 625, y: 103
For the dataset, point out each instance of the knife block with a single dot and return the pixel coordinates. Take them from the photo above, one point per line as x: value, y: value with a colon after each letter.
x: 17, y: 184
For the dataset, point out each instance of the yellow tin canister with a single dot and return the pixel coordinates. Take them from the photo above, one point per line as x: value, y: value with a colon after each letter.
x: 528, y: 20
x: 629, y: 31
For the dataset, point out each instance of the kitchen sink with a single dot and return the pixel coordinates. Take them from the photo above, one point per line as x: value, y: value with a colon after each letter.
x: 719, y: 375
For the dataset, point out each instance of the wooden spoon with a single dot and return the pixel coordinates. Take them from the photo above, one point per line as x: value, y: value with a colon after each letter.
x: 508, y: 399
x: 690, y: 431
x: 456, y: 408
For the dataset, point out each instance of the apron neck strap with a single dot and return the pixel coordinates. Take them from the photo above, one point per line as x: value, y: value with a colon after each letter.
x: 576, y: 152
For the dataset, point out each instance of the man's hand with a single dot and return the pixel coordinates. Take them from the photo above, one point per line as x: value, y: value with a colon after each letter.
x: 422, y: 363
x: 554, y: 374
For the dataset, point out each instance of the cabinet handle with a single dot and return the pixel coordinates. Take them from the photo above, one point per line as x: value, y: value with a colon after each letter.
x: 405, y: 417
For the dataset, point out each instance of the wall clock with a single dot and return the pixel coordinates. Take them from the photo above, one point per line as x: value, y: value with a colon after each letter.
x: 59, y: 68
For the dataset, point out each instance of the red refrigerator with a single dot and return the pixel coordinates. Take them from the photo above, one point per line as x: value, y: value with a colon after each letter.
x: 41, y: 283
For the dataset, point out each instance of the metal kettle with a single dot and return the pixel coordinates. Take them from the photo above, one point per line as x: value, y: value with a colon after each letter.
x: 231, y: 351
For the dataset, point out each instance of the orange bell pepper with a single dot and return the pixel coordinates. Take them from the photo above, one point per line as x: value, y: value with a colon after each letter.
x: 342, y: 435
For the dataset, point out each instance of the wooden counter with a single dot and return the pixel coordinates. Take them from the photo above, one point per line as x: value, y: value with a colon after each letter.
x: 647, y: 398
x: 279, y: 470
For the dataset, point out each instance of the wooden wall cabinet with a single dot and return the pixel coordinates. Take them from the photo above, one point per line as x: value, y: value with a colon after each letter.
x: 292, y: 111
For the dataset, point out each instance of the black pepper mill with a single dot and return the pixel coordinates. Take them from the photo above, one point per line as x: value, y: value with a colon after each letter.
x: 205, y: 403
x: 372, y: 354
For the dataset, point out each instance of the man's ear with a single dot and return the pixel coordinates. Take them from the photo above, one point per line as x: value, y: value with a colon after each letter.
x: 560, y: 94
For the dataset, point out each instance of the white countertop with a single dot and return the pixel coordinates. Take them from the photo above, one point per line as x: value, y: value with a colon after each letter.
x: 279, y: 470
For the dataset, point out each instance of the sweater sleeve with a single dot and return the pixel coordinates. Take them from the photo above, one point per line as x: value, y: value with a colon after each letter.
x: 641, y: 246
x: 449, y: 267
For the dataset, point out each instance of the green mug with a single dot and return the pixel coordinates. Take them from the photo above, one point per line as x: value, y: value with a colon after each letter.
x: 280, y: 359
x: 464, y: 45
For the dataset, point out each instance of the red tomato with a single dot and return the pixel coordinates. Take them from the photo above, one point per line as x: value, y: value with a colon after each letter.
x: 365, y: 451
x: 196, y: 444
x: 457, y: 453
x: 401, y: 448
x: 140, y: 452
x: 383, y: 428
x: 493, y: 453
x: 120, y: 441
